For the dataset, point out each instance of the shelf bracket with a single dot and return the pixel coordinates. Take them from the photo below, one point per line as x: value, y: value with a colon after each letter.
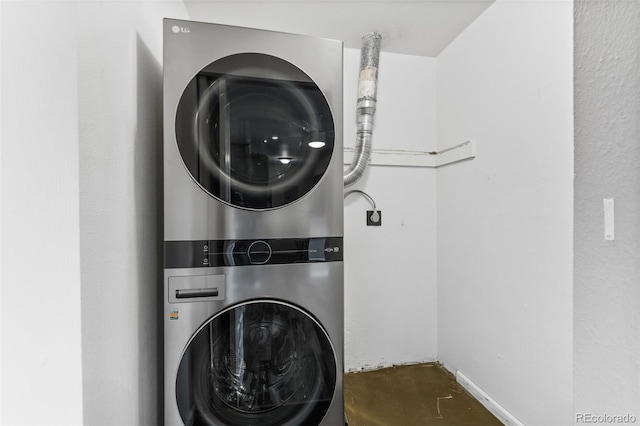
x: 404, y: 158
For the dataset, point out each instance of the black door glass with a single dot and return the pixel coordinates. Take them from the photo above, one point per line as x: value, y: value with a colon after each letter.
x: 260, y: 363
x: 254, y: 131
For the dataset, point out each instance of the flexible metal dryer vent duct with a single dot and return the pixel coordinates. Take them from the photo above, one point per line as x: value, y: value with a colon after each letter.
x: 366, y: 108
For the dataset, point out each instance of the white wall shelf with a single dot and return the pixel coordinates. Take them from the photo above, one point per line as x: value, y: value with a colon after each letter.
x: 400, y: 158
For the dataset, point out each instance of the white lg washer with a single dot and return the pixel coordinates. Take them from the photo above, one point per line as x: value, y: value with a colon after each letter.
x: 253, y: 227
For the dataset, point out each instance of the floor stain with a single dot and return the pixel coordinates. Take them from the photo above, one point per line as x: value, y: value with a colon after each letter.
x: 411, y: 395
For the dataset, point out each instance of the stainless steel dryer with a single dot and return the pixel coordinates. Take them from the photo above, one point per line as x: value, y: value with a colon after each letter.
x: 253, y: 274
x: 253, y: 133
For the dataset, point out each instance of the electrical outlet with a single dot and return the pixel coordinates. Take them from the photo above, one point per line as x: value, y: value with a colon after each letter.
x: 374, y: 220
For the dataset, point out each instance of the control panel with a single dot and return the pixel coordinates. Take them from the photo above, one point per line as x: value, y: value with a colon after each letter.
x: 213, y: 253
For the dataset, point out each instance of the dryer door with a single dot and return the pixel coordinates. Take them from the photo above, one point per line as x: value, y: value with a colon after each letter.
x: 254, y: 131
x: 259, y: 363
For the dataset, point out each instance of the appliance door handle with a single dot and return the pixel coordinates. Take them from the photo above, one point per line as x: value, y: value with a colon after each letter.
x: 196, y: 292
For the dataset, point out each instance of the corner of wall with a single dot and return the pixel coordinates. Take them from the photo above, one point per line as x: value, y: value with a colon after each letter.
x: 505, y: 218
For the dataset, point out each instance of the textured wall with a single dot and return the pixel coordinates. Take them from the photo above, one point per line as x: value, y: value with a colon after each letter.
x: 607, y: 165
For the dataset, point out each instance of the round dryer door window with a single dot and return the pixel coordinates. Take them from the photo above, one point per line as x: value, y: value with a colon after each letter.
x: 254, y: 131
x: 260, y: 363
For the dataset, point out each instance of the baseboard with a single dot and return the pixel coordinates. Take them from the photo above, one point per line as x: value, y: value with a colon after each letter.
x: 489, y: 403
x: 369, y: 367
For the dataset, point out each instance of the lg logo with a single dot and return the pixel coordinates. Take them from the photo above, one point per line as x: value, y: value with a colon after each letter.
x: 176, y: 29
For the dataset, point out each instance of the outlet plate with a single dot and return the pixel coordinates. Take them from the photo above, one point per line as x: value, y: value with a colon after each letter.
x: 371, y: 222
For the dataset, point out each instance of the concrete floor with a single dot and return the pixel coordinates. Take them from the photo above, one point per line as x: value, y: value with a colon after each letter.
x: 411, y: 395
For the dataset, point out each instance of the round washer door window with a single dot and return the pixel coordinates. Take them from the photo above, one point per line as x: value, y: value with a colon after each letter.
x: 260, y: 363
x: 254, y: 131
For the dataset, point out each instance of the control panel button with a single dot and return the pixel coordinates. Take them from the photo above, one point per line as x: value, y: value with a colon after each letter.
x: 259, y: 252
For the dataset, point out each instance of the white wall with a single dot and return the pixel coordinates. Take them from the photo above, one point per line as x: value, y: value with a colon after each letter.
x: 0, y: 214
x: 120, y: 104
x: 390, y: 271
x: 40, y: 312
x: 607, y: 158
x: 505, y: 218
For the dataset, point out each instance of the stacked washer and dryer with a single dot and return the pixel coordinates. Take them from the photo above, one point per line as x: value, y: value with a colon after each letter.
x: 253, y: 227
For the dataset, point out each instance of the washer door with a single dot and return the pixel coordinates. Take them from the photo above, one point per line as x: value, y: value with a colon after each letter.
x: 259, y: 363
x: 254, y: 131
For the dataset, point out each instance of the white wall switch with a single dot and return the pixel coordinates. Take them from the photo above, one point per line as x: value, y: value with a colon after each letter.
x: 609, y: 220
